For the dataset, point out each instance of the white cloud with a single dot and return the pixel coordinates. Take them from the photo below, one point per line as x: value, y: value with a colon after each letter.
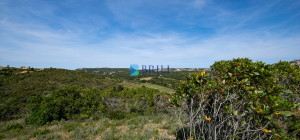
x: 48, y: 47
x: 79, y: 45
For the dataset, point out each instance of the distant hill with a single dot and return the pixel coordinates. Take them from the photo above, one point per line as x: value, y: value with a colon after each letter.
x: 125, y: 71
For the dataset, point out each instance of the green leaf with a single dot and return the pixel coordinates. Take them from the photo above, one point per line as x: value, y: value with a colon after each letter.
x: 237, y: 137
x: 227, y: 107
x: 235, y: 113
x: 243, y: 115
x: 287, y: 113
x: 248, y: 83
x: 268, y: 117
x: 256, y: 73
x: 287, y: 91
x: 259, y: 91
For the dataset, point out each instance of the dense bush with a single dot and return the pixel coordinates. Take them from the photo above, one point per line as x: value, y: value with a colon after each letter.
x: 74, y: 102
x: 288, y: 76
x: 240, y: 99
x: 65, y: 104
x: 142, y: 100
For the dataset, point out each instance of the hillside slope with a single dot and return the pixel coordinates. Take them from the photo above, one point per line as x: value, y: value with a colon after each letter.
x: 18, y: 86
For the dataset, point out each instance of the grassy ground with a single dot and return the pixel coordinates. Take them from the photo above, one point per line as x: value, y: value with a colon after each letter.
x: 159, y: 126
x: 149, y: 85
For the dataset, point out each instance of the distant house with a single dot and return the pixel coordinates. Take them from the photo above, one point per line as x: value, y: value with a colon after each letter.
x: 23, y: 67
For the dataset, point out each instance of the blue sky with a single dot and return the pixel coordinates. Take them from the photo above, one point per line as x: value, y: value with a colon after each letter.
x: 116, y: 33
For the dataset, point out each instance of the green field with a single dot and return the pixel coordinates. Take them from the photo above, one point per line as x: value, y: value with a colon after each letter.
x: 149, y: 85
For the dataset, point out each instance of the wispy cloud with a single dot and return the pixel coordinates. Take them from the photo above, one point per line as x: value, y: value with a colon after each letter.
x: 117, y: 33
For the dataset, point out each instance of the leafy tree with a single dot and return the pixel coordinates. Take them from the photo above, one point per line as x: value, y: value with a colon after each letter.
x: 240, y: 99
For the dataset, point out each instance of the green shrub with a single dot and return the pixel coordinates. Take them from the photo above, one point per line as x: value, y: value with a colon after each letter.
x: 288, y: 76
x: 91, y: 102
x: 142, y: 100
x: 65, y: 104
x: 240, y: 99
x: 8, y: 108
x: 40, y: 132
x: 74, y: 102
x: 71, y: 126
x: 2, y: 136
x: 14, y: 127
x: 116, y: 115
x: 43, y: 110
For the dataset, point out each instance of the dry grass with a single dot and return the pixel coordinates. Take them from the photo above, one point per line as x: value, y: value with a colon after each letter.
x: 149, y: 85
x: 140, y: 127
x: 146, y: 78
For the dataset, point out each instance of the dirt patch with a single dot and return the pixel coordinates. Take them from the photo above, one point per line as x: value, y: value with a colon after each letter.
x: 63, y: 135
x: 22, y: 72
x: 162, y: 132
x: 146, y: 78
x: 123, y: 129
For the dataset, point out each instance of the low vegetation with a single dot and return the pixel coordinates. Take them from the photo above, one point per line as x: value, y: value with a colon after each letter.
x: 236, y: 99
x: 76, y: 103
